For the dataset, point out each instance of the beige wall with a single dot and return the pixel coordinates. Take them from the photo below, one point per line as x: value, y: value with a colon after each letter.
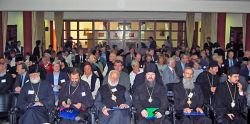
x: 16, y: 18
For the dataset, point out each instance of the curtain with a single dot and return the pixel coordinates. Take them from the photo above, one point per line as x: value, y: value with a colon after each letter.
x: 205, y: 27
x: 4, y: 28
x: 244, y: 25
x: 38, y: 32
x: 214, y: 27
x: 58, y: 16
x: 190, y: 28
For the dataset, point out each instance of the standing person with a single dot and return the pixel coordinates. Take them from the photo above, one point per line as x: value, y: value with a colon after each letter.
x: 208, y: 44
x: 36, y: 51
x: 36, y: 99
x: 168, y: 44
x: 229, y: 100
x: 152, y: 42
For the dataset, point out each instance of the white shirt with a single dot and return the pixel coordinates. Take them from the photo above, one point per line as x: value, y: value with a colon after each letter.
x: 132, y: 76
x: 88, y: 80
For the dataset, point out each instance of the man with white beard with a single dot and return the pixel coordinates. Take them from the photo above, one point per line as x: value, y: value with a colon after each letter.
x: 36, y: 99
x: 113, y: 95
x: 188, y: 99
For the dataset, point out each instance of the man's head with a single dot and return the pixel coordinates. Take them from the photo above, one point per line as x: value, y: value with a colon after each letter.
x: 188, y: 81
x: 234, y: 75
x: 3, y: 68
x: 74, y: 77
x: 171, y: 62
x: 230, y: 54
x: 213, y: 67
x: 208, y: 39
x: 150, y: 70
x: 34, y: 74
x: 118, y: 65
x: 138, y: 57
x: 112, y: 57
x: 56, y: 66
x: 113, y: 78
x: 135, y: 65
x: 87, y: 69
x: 184, y: 58
x: 21, y: 68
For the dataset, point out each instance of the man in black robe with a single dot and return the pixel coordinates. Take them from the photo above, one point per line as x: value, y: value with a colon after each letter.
x: 208, y: 80
x: 76, y: 94
x: 36, y: 99
x: 150, y: 94
x: 111, y: 95
x: 230, y: 100
x: 189, y: 98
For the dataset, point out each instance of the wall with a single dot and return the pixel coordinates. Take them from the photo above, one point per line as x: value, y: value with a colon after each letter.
x: 16, y: 18
x: 239, y: 6
x: 232, y: 20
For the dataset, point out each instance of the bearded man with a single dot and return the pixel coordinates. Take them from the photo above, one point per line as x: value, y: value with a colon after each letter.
x: 113, y: 100
x: 76, y: 95
x: 36, y: 99
x: 188, y: 99
x: 150, y: 99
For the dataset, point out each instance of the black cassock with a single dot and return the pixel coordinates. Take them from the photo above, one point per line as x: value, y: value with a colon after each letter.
x: 81, y: 95
x: 104, y: 98
x: 141, y: 101
x: 206, y: 80
x: 32, y: 114
x: 180, y: 100
x: 223, y: 104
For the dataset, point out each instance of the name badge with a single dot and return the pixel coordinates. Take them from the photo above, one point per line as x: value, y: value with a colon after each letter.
x: 3, y: 80
x: 63, y: 80
x: 190, y: 95
x: 114, y: 90
x: 83, y: 94
x: 31, y: 92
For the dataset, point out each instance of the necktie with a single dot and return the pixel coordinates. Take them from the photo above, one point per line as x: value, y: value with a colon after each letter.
x: 22, y: 79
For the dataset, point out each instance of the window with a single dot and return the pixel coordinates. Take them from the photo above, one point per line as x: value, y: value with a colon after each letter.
x: 123, y: 33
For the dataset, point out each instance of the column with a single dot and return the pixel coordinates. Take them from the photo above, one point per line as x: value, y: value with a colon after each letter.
x: 27, y: 31
x: 247, y: 41
x: 221, y: 29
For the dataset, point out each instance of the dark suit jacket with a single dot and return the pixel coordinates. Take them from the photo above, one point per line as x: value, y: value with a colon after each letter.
x: 244, y: 72
x: 226, y: 63
x: 77, y: 59
x: 63, y: 77
x: 18, y: 81
x: 179, y: 70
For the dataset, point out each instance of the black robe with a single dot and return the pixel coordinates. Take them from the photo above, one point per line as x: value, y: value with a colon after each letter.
x: 35, y: 115
x: 160, y: 100
x: 180, y: 100
x: 205, y: 79
x: 223, y: 104
x: 103, y: 98
x: 82, y: 95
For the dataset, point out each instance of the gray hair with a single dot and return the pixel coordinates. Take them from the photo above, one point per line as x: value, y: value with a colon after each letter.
x: 134, y: 62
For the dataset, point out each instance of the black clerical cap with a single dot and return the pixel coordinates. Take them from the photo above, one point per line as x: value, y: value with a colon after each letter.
x: 213, y: 64
x: 245, y: 59
x: 33, y: 59
x: 19, y: 58
x: 34, y: 69
x: 150, y: 67
x: 234, y: 70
